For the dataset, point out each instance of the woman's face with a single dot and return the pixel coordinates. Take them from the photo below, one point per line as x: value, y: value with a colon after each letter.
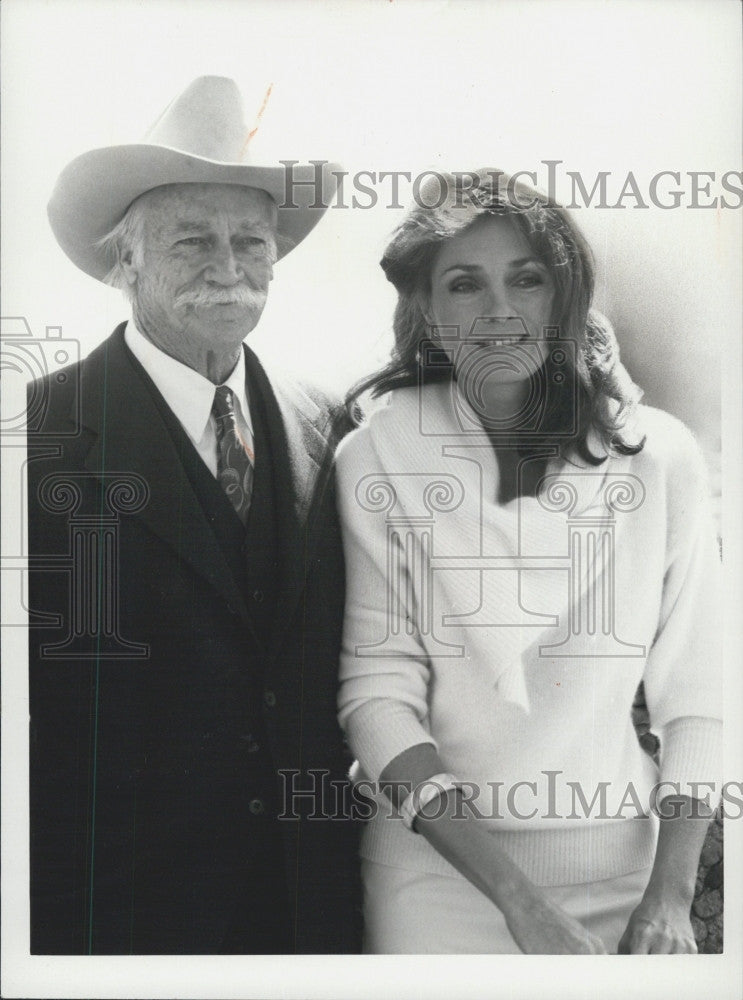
x: 493, y: 298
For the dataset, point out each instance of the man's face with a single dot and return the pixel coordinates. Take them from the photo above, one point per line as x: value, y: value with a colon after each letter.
x: 200, y: 276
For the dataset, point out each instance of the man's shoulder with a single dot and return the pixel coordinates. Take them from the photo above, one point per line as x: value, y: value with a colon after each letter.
x: 324, y: 398
x: 333, y: 417
x: 52, y: 399
x: 56, y: 399
x: 308, y: 399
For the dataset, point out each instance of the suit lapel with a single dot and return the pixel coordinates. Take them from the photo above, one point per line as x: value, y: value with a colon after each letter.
x: 119, y: 408
x: 302, y: 457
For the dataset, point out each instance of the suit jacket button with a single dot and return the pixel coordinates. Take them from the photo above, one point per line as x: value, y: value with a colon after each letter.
x: 269, y: 699
x: 256, y: 807
x: 258, y: 596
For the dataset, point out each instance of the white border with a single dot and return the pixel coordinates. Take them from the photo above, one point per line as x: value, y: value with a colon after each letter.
x: 41, y: 59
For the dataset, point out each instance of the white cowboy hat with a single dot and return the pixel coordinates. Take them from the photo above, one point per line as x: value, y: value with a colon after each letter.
x: 201, y: 137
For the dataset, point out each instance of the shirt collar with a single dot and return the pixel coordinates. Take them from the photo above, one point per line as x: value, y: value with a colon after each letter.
x: 188, y: 394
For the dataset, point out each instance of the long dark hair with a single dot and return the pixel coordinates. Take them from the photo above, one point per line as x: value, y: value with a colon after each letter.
x: 602, y: 394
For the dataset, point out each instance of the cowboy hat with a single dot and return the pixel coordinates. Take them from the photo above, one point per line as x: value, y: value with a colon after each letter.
x: 201, y: 137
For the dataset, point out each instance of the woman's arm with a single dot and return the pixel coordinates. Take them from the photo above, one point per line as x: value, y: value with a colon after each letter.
x: 537, y: 925
x: 683, y: 688
x: 661, y: 924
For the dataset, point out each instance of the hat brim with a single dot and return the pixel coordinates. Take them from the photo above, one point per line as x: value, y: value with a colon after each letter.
x: 94, y: 191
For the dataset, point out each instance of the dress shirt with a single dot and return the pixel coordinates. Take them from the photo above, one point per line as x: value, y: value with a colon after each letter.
x: 190, y: 395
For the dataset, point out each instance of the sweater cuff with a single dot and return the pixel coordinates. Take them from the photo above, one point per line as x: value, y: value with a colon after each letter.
x: 379, y: 730
x: 691, y: 752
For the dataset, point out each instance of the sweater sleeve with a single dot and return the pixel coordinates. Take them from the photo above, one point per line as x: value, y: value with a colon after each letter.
x: 384, y: 669
x: 683, y: 674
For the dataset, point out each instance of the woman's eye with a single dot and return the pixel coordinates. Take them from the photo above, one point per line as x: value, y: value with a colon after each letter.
x: 529, y: 281
x: 463, y: 285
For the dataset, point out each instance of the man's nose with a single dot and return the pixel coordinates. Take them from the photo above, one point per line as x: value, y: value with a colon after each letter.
x: 224, y: 267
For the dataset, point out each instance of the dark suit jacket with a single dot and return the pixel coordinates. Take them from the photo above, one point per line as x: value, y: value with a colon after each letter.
x: 142, y: 662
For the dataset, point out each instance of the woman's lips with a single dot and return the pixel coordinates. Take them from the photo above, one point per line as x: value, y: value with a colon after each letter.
x: 497, y: 331
x: 499, y: 340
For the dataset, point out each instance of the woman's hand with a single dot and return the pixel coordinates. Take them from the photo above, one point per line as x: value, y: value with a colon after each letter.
x: 537, y: 925
x: 661, y: 924
x: 658, y: 928
x: 540, y: 927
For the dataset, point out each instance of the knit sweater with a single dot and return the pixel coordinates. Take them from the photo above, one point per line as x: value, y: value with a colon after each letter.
x: 513, y: 636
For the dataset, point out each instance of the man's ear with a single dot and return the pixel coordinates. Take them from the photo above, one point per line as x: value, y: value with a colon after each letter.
x: 128, y: 268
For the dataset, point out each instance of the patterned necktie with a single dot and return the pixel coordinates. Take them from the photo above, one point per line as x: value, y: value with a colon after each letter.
x: 234, y: 456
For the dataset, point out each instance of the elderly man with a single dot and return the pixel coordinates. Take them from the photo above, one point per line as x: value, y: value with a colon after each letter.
x: 186, y: 590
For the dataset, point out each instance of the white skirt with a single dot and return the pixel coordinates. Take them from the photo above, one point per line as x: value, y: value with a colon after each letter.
x: 411, y: 912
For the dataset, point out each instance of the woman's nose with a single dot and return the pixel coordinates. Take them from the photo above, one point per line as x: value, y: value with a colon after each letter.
x: 497, y: 302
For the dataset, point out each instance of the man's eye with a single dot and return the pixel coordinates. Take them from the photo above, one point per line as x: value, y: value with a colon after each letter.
x: 250, y: 242
x: 192, y: 241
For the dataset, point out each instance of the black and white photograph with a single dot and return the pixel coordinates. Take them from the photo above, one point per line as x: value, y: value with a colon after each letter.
x: 372, y: 460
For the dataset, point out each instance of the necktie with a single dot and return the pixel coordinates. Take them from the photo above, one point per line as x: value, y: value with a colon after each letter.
x: 234, y: 455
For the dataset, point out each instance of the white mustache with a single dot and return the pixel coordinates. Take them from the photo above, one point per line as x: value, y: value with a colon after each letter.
x: 239, y: 295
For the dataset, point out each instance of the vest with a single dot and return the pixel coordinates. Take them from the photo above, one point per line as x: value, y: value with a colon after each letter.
x: 262, y: 924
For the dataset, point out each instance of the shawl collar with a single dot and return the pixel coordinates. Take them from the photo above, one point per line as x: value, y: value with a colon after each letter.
x: 444, y: 480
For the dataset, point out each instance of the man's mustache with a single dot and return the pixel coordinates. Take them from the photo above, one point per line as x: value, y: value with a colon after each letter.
x: 242, y: 295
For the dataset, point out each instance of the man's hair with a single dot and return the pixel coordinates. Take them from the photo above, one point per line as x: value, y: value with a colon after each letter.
x: 127, y: 236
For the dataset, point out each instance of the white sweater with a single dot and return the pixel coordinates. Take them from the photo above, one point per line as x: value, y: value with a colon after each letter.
x: 502, y: 636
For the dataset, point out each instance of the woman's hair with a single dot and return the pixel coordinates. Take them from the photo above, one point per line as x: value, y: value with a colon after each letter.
x: 447, y: 206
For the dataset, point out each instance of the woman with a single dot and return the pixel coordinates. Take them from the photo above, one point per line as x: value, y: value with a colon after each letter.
x: 524, y: 545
